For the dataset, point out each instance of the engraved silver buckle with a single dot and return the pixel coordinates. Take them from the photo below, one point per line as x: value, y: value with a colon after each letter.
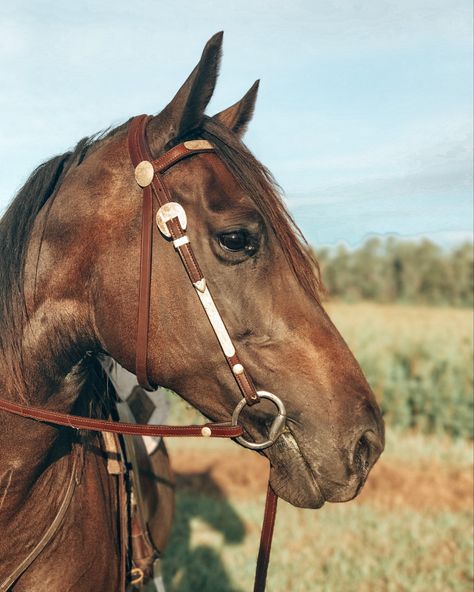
x: 276, y: 429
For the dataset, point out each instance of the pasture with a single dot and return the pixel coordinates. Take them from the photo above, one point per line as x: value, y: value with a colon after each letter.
x: 417, y: 359
x: 410, y: 529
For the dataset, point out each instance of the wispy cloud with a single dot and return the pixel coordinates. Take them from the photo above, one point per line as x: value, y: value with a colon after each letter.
x: 433, y: 158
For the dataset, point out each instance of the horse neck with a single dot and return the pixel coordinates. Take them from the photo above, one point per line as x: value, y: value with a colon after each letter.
x: 40, y: 466
x: 53, y: 376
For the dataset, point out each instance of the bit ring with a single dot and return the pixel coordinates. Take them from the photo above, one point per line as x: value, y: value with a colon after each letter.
x: 276, y: 429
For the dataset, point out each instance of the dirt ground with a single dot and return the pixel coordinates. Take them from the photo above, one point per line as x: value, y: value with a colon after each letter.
x: 390, y: 485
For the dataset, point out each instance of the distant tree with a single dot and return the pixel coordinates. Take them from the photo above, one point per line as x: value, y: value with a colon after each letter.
x: 393, y: 270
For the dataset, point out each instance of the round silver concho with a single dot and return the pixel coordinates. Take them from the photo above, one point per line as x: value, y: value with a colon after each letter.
x: 144, y: 173
x: 276, y: 429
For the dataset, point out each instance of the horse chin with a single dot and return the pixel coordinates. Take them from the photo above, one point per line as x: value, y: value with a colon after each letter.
x: 291, y: 477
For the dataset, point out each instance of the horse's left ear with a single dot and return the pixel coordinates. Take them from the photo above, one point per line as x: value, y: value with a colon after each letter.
x: 238, y: 116
x: 186, y: 111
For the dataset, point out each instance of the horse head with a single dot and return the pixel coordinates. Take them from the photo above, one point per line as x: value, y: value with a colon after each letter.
x: 259, y: 270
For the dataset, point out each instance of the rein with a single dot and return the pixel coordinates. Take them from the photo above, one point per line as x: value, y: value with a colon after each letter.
x: 171, y: 220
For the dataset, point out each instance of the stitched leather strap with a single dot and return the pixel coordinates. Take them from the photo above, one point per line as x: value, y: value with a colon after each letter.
x: 179, y: 152
x: 138, y: 152
x: 195, y: 274
x: 213, y: 430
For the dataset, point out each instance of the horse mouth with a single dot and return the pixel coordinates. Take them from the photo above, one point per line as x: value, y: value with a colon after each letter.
x: 292, y: 477
x: 298, y: 481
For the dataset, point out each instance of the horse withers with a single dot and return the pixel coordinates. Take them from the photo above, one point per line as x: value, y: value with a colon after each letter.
x: 70, y: 246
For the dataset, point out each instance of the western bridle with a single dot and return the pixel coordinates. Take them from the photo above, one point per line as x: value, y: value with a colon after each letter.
x: 171, y: 220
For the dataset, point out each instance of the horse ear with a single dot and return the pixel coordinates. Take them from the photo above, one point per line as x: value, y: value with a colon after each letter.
x: 238, y: 116
x: 186, y: 110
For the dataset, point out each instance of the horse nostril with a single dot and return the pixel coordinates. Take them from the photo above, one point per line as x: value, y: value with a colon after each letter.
x: 366, y: 452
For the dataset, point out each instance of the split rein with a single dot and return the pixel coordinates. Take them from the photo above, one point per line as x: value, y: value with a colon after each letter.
x: 172, y: 222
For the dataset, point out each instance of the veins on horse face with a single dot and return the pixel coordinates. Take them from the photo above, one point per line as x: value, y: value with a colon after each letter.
x: 6, y: 477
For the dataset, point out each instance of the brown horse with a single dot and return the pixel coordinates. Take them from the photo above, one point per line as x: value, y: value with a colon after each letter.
x: 70, y: 245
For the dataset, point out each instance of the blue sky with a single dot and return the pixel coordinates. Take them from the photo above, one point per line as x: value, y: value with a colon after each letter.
x: 364, y: 112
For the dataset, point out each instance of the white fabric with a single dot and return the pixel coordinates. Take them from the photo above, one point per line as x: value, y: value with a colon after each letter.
x: 124, y: 383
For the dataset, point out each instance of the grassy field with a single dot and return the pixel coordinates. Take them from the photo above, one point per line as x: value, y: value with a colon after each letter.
x: 417, y: 359
x: 410, y: 529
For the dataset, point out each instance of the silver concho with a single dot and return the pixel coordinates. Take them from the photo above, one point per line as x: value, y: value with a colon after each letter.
x: 144, y: 173
x: 198, y: 145
x: 167, y: 212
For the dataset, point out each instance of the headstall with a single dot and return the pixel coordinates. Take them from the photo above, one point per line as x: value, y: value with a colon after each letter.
x: 172, y: 222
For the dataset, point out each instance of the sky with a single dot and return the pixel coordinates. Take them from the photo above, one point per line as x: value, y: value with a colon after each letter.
x: 364, y: 112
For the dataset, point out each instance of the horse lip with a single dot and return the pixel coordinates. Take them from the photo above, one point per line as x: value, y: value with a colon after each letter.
x: 289, y: 442
x: 309, y: 469
x: 350, y: 495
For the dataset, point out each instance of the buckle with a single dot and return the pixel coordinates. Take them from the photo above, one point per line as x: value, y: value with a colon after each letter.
x: 137, y: 576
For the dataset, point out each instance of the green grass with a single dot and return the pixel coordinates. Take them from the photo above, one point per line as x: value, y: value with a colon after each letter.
x: 417, y: 359
x: 351, y: 548
x: 419, y: 362
x: 341, y: 547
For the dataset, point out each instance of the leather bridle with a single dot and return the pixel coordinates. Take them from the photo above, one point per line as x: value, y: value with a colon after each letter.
x: 172, y: 221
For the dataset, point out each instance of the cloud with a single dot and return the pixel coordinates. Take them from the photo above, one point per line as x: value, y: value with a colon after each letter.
x: 434, y: 157
x: 317, y: 25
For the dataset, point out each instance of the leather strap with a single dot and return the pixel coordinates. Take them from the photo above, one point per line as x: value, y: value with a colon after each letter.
x: 266, y: 540
x: 138, y: 152
x: 52, y: 528
x: 211, y: 430
x: 179, y: 152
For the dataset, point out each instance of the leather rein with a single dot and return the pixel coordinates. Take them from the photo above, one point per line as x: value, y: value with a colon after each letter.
x: 172, y: 222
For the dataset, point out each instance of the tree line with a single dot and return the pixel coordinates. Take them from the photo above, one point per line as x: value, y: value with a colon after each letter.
x: 393, y: 270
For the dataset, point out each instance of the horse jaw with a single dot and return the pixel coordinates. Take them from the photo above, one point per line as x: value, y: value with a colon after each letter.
x: 293, y: 469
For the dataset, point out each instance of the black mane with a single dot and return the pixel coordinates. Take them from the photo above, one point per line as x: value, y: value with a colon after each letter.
x: 15, y: 229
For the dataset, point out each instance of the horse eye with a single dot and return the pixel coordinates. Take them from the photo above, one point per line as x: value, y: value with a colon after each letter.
x: 236, y: 240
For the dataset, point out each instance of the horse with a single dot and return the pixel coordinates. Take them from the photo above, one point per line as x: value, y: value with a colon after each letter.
x: 69, y: 279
